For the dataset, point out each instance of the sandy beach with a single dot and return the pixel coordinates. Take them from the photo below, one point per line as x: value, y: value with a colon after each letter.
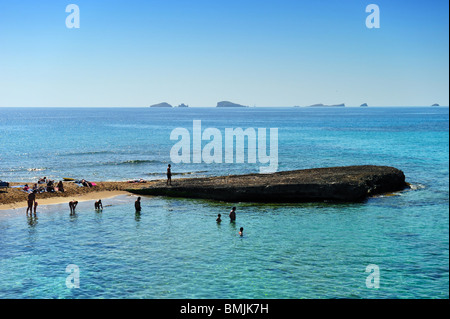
x: 14, y: 198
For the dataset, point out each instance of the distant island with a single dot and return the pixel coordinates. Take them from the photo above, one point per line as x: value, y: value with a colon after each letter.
x: 364, y: 105
x: 323, y: 105
x: 183, y: 105
x: 229, y: 104
x: 164, y: 104
x: 435, y: 104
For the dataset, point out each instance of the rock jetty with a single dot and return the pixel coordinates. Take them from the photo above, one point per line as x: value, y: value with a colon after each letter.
x: 336, y: 184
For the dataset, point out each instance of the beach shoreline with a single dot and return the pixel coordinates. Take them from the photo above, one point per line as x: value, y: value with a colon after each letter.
x: 16, y: 198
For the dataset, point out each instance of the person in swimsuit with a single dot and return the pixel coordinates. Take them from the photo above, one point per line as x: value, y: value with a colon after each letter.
x: 169, y: 175
x: 137, y: 204
x: 31, y: 201
x: 218, y: 218
x: 98, y: 204
x: 241, y: 231
x: 233, y: 214
x: 72, y: 205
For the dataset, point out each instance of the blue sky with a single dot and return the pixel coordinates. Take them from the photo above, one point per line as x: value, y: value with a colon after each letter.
x: 265, y: 53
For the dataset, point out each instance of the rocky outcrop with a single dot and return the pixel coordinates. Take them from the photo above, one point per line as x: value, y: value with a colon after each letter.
x: 339, y: 184
x: 364, y: 105
x: 229, y: 104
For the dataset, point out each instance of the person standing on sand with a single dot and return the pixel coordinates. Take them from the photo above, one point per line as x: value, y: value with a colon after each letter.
x: 31, y: 202
x: 137, y: 205
x: 233, y: 215
x: 169, y: 175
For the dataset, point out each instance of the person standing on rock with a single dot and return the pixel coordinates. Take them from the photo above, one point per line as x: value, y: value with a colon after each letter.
x: 169, y: 175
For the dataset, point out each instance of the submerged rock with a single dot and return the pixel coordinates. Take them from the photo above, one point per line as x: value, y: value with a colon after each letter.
x: 340, y: 184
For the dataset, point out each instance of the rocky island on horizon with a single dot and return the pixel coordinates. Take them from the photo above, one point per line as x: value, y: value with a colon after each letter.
x: 229, y: 104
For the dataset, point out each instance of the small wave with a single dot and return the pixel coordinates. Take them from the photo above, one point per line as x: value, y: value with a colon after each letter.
x: 85, y: 153
x: 24, y: 169
x: 138, y: 162
x: 36, y: 169
x: 415, y: 187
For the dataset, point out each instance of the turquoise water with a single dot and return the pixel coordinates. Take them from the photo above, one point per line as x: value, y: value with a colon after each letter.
x: 175, y: 249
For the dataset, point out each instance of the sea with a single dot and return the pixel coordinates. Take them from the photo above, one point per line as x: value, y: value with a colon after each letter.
x: 390, y: 246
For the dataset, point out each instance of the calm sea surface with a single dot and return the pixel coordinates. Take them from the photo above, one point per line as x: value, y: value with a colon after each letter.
x: 175, y: 249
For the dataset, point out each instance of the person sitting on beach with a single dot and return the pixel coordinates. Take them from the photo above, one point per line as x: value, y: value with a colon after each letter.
x: 241, y: 231
x: 72, y: 205
x: 31, y: 202
x: 26, y: 188
x: 137, y: 204
x: 169, y: 175
x: 98, y: 204
x: 85, y: 183
x: 50, y: 187
x: 35, y: 187
x: 42, y: 180
x: 218, y: 218
x: 60, y: 187
x: 233, y: 214
x: 138, y: 181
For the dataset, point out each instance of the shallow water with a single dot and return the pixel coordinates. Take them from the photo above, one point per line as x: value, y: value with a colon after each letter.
x: 175, y: 249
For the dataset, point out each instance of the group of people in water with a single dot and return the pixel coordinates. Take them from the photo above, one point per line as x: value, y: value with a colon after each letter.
x: 232, y: 216
x: 98, y: 205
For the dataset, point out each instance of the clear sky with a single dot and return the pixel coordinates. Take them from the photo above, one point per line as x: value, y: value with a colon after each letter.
x: 265, y: 53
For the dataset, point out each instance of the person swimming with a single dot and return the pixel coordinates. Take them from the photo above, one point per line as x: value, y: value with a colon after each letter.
x: 241, y: 231
x: 218, y: 218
